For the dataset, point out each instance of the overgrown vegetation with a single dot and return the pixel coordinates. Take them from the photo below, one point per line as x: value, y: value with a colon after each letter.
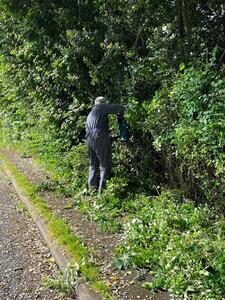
x: 164, y: 60
x: 182, y: 246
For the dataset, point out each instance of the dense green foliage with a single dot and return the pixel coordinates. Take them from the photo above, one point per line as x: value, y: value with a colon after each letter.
x: 182, y: 245
x: 195, y: 134
x: 162, y: 59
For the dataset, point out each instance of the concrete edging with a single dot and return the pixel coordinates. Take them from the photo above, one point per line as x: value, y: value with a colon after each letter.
x: 83, y: 290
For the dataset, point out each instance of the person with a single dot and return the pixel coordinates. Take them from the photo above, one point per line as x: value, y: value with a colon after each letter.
x: 99, y: 143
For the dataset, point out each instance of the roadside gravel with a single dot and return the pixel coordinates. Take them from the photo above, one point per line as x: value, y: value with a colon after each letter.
x: 24, y: 258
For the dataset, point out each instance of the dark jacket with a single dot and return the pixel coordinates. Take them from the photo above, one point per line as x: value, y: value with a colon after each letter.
x: 98, y: 120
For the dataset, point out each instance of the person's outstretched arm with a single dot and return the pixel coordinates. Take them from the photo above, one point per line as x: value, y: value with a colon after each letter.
x: 113, y: 108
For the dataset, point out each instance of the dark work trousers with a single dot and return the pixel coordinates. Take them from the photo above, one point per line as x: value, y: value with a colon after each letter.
x: 100, y: 157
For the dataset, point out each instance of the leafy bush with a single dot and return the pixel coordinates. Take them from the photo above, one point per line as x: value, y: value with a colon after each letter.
x: 187, y: 123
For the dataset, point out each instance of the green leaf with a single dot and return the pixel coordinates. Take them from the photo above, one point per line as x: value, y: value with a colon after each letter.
x: 182, y: 67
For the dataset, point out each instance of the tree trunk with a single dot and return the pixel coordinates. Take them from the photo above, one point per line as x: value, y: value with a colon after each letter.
x: 184, y: 26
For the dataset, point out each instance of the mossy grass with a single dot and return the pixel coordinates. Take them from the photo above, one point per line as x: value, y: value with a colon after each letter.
x: 61, y: 231
x: 21, y: 207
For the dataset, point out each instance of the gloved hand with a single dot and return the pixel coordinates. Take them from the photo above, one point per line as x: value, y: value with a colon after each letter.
x: 120, y: 117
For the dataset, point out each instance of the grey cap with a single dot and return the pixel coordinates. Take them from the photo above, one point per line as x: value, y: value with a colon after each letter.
x: 100, y: 100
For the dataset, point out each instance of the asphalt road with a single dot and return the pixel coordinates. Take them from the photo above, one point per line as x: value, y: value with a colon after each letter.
x: 24, y: 258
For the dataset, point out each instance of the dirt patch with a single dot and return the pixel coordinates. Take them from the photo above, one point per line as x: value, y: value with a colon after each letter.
x: 122, y: 283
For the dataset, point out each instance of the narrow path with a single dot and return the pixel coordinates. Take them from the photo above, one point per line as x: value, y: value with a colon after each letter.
x: 24, y: 258
x: 122, y: 283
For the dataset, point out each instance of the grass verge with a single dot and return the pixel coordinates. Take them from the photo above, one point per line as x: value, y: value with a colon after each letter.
x: 61, y: 231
